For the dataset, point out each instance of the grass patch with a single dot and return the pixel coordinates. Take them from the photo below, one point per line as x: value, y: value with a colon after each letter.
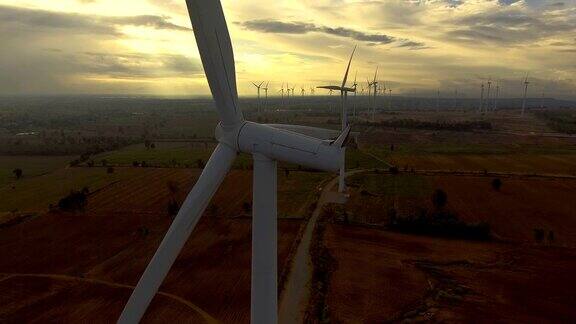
x: 32, y: 166
x: 36, y: 194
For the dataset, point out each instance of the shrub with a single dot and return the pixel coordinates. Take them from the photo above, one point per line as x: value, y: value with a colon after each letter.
x: 496, y: 184
x: 18, y: 173
x: 75, y: 201
x: 439, y: 199
x: 173, y: 207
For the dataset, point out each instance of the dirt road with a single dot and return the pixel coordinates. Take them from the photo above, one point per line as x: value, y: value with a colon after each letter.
x: 296, y: 294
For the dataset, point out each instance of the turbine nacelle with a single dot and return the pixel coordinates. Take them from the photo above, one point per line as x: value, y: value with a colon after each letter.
x: 283, y: 145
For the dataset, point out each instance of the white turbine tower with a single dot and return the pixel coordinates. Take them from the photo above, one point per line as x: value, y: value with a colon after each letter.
x: 258, y: 86
x: 234, y: 134
x: 526, y: 83
x: 343, y: 98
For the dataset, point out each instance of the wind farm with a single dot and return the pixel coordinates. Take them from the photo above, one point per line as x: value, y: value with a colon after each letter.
x: 310, y: 173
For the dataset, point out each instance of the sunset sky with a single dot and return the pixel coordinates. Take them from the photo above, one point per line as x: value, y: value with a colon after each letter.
x: 147, y: 47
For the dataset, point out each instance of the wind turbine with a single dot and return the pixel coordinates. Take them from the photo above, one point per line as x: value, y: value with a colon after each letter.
x: 292, y: 91
x: 282, y: 94
x: 311, y: 90
x: 438, y: 100
x: 234, y: 134
x: 258, y: 86
x: 488, y: 95
x: 375, y: 85
x: 266, y: 96
x: 389, y: 99
x: 355, y: 86
x: 526, y: 83
x: 302, y: 92
x: 496, y: 96
x: 481, y: 98
x: 343, y: 98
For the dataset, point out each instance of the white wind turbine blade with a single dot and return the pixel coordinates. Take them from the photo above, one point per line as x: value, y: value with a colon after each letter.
x: 214, y: 172
x: 348, y: 68
x: 215, y: 49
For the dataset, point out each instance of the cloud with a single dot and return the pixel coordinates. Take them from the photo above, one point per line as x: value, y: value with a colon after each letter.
x: 135, y: 66
x: 35, y: 20
x: 280, y: 27
x: 46, y: 52
x: 509, y: 26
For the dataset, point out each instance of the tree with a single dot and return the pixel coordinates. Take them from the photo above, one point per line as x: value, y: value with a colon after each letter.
x: 247, y: 207
x: 539, y: 235
x: 173, y: 207
x: 76, y: 200
x: 496, y: 184
x: 200, y: 164
x: 135, y: 163
x: 110, y: 170
x: 104, y: 162
x: 286, y: 172
x: 172, y: 187
x: 18, y: 173
x: 439, y: 198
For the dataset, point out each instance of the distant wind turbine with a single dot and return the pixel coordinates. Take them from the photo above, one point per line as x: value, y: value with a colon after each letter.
x: 526, y: 83
x: 282, y: 92
x: 496, y: 96
x: 488, y: 95
x: 355, y: 86
x: 375, y: 85
x: 343, y: 98
x: 266, y: 95
x: 258, y: 86
x: 481, y: 98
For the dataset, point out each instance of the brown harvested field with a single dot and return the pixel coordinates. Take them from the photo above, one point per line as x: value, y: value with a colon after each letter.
x: 110, y: 248
x: 521, y: 205
x: 28, y: 299
x: 381, y: 276
x: 111, y: 243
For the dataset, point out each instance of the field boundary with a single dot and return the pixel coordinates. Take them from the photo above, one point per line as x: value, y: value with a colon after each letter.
x: 204, y: 314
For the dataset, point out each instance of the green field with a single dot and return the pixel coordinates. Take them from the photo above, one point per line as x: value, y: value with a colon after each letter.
x: 31, y: 166
x: 166, y: 154
x: 37, y: 193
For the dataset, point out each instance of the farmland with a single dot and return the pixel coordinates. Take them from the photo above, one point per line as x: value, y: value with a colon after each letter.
x: 111, y: 242
x: 31, y: 166
x: 136, y: 161
x: 382, y: 276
